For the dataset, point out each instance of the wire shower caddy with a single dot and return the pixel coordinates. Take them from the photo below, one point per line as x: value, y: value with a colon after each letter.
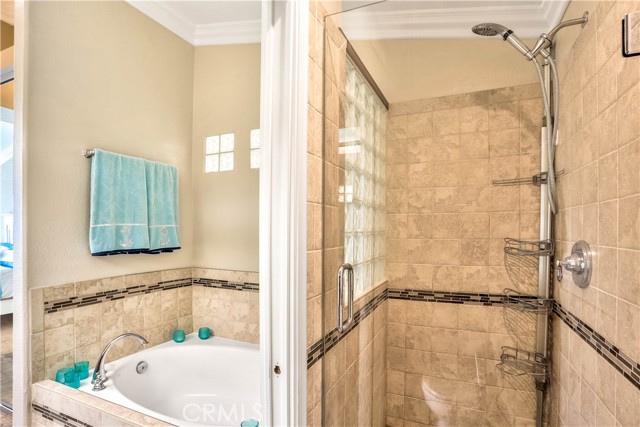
x: 529, y: 247
x: 517, y: 362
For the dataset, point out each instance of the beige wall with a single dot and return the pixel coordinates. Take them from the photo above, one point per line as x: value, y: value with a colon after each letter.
x: 599, y: 200
x: 127, y: 90
x: 226, y: 99
x: 415, y: 69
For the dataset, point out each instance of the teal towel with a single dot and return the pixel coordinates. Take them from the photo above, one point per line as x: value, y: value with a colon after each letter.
x: 162, y: 205
x: 119, y: 221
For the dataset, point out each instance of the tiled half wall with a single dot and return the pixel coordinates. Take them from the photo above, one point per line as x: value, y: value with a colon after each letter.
x: 74, y: 321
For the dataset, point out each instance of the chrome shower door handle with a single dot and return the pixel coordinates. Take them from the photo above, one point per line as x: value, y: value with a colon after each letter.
x: 348, y: 269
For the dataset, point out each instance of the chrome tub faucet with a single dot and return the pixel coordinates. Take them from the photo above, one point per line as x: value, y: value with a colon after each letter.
x: 100, y: 373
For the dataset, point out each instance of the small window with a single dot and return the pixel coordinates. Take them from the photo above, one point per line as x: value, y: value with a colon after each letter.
x: 219, y: 153
x: 255, y: 149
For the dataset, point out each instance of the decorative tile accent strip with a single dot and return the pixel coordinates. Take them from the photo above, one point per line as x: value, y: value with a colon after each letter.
x: 52, y: 415
x: 225, y: 284
x: 624, y: 364
x: 115, y: 294
x: 318, y: 350
x: 447, y: 297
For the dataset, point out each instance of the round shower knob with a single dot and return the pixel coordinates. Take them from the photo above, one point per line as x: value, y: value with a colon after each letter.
x: 579, y: 263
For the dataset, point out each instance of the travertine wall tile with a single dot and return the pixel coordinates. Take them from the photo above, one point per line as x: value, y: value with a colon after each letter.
x: 599, y: 149
x: 63, y: 334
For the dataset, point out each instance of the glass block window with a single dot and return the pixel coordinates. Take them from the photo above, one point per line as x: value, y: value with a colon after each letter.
x: 254, y: 152
x: 362, y: 145
x: 219, y: 153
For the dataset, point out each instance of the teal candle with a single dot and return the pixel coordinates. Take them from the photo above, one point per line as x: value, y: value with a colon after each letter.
x: 72, y: 379
x: 250, y: 423
x: 178, y: 335
x: 60, y: 374
x: 82, y: 368
x: 204, y: 333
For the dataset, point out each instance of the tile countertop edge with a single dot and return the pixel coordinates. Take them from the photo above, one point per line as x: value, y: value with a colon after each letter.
x: 43, y: 393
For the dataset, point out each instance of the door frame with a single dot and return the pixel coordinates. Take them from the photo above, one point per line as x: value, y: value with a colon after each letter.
x: 21, y: 311
x: 283, y: 215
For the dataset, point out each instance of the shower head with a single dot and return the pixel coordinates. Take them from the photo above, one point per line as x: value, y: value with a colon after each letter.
x: 492, y: 29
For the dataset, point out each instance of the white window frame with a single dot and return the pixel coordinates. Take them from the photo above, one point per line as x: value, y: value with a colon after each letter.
x: 253, y: 149
x: 219, y: 152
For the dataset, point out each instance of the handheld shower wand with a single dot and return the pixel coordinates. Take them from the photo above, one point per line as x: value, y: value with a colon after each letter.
x: 491, y: 29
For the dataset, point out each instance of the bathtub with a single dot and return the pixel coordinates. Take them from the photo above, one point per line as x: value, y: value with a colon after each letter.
x: 215, y: 382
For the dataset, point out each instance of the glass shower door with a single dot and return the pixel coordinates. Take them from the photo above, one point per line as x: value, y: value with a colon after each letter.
x: 354, y: 310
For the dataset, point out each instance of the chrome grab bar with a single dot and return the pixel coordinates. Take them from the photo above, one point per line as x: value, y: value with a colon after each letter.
x: 348, y: 268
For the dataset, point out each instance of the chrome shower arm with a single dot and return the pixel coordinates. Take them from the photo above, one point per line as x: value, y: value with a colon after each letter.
x: 578, y: 21
x: 546, y: 39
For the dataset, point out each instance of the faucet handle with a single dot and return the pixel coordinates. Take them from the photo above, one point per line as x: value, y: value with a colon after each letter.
x: 578, y: 263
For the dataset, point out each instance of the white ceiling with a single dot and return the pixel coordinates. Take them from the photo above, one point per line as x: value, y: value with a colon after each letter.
x: 238, y: 21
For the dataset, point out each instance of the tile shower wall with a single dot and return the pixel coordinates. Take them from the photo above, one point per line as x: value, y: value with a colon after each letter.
x: 446, y: 231
x: 315, y: 226
x: 353, y: 363
x: 442, y: 367
x: 74, y: 321
x: 600, y: 203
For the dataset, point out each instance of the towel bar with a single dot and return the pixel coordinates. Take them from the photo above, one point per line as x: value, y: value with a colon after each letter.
x: 88, y: 152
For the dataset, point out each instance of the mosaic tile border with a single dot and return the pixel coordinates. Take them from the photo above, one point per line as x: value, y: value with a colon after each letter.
x: 226, y: 284
x: 448, y: 297
x: 130, y: 291
x: 113, y: 295
x: 318, y: 350
x: 622, y: 363
x: 52, y: 415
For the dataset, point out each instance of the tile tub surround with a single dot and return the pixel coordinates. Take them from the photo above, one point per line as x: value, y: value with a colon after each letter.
x: 228, y: 300
x: 54, y: 404
x: 74, y: 321
x: 599, y: 202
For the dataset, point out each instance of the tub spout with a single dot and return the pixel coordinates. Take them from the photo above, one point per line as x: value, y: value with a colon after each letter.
x: 100, y: 373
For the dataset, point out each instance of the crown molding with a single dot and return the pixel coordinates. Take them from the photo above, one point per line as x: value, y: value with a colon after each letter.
x: 527, y: 21
x: 166, y: 17
x: 240, y: 32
